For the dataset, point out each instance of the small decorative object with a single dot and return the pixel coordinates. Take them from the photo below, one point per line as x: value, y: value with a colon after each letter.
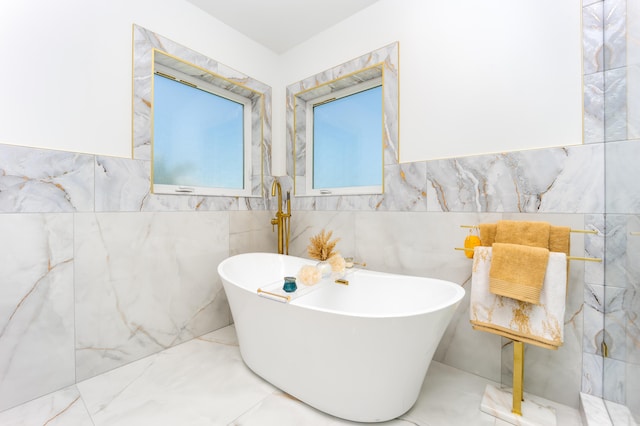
x: 338, y: 265
x: 321, y: 247
x: 290, y: 284
x: 348, y: 262
x: 309, y: 275
x: 472, y: 240
x: 324, y: 267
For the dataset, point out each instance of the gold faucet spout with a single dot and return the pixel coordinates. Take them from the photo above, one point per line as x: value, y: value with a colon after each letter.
x: 275, y: 187
x: 282, y: 219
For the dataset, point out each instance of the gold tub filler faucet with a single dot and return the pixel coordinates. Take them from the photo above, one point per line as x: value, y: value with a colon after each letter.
x: 282, y: 219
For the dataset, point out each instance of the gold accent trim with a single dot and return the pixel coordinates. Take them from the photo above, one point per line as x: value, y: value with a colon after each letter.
x: 575, y: 231
x: 165, y: 75
x: 228, y: 80
x: 518, y: 377
x: 342, y: 281
x: 186, y: 83
x: 586, y: 259
x: 287, y: 298
x: 605, y: 349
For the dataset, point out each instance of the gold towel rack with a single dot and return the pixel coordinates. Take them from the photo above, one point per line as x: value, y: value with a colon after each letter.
x: 586, y: 259
x: 577, y: 231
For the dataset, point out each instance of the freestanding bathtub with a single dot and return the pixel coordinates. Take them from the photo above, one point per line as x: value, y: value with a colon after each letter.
x: 357, y: 351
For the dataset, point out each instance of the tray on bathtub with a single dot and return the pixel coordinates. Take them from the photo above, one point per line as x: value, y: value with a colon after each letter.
x: 274, y: 290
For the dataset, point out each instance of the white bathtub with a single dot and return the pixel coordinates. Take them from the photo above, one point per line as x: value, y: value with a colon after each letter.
x: 359, y: 352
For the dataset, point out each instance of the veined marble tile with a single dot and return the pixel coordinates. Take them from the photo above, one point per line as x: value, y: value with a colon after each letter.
x: 124, y: 185
x: 633, y: 390
x: 614, y: 387
x: 594, y: 305
x: 446, y: 396
x: 549, y: 180
x: 61, y: 408
x: 145, y: 282
x: 633, y: 91
x: 620, y: 414
x: 615, y: 33
x: 44, y: 181
x: 201, y: 382
x: 36, y: 306
x: 617, y: 325
x: 592, y: 371
x: 594, y: 246
x: 405, y: 187
x: 623, y: 175
x: 615, y: 104
x: 594, y: 411
x: 252, y: 232
x: 281, y: 409
x: 617, y: 238
x: 306, y: 224
x: 594, y: 107
x: 592, y: 30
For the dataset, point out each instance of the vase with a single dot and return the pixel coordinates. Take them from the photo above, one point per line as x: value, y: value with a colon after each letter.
x: 324, y: 267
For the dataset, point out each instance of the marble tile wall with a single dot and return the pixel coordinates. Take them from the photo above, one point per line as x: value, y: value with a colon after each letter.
x: 621, y: 56
x: 99, y: 271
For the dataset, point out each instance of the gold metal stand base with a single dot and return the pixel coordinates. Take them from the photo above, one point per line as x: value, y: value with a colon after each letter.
x: 498, y: 403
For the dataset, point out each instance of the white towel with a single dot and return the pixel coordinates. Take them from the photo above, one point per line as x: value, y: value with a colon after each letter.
x: 541, y: 325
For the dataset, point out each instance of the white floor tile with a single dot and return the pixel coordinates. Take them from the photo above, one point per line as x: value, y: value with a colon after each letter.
x: 201, y: 382
x: 205, y: 382
x: 61, y: 408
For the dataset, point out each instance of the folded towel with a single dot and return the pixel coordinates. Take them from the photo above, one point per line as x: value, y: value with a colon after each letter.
x: 560, y: 239
x: 518, y: 271
x: 534, y: 234
x: 541, y: 325
x: 487, y: 233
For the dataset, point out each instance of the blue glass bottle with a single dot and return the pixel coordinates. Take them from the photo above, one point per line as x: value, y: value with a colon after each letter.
x: 290, y: 284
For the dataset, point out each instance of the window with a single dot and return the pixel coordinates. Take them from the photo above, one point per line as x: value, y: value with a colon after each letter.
x: 344, y: 137
x: 201, y: 132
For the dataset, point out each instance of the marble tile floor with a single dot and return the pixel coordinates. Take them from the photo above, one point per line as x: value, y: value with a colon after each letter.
x: 205, y: 382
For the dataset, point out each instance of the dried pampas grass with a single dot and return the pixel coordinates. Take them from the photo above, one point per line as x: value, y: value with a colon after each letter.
x: 321, y: 246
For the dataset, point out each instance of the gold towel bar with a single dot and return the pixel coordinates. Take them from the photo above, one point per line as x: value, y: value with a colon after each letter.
x: 287, y: 298
x: 577, y: 231
x: 586, y: 259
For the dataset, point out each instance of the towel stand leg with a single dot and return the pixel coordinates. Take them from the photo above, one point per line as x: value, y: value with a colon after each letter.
x: 518, y: 377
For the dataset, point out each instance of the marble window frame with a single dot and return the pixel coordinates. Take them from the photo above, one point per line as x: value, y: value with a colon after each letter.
x: 144, y: 44
x: 334, y: 79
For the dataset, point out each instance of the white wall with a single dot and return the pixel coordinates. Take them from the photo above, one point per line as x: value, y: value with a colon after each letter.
x: 475, y: 76
x: 471, y: 79
x: 65, y: 80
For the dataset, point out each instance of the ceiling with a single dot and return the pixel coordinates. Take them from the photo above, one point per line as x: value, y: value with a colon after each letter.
x: 281, y: 24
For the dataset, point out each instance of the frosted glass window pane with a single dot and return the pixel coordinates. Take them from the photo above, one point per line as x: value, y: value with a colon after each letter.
x: 197, y: 137
x: 347, y: 141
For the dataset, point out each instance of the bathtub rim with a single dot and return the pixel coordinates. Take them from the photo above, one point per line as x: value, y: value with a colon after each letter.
x: 458, y: 295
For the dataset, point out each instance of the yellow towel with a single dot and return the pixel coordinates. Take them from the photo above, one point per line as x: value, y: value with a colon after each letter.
x: 517, y: 271
x: 487, y: 233
x: 559, y: 239
x: 534, y: 234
